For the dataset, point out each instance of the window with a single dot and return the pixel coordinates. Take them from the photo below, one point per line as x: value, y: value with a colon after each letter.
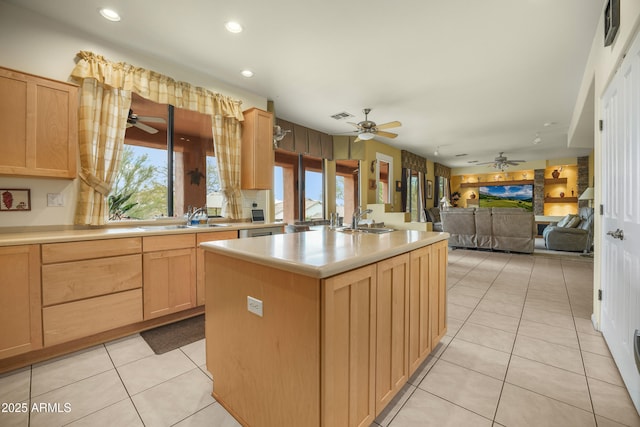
x: 298, y: 187
x: 347, y: 173
x: 156, y: 180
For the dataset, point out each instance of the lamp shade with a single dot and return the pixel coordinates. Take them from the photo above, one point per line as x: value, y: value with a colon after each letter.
x: 587, y: 194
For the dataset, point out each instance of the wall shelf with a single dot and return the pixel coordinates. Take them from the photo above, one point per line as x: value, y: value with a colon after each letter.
x: 561, y: 200
x: 555, y: 181
x: 494, y: 183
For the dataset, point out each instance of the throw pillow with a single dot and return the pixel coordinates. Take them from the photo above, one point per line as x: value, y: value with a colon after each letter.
x: 435, y: 214
x: 574, y: 222
x: 564, y: 221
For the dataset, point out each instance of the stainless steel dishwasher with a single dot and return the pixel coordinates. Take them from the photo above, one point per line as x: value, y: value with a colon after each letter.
x: 261, y: 231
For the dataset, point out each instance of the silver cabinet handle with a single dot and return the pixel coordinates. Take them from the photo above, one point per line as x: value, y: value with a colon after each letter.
x: 636, y: 347
x: 618, y: 234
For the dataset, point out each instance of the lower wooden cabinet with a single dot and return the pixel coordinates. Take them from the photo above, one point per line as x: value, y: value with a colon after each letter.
x: 392, y: 328
x: 419, y: 321
x: 90, y: 287
x: 207, y: 237
x: 348, y: 348
x: 438, y: 292
x: 169, y: 274
x: 20, y: 314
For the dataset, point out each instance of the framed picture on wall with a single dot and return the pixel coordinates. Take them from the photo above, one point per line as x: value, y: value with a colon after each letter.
x: 429, y: 189
x: 15, y: 200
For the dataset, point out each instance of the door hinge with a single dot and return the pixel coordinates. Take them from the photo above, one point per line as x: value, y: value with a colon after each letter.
x: 599, y: 294
x: 601, y: 125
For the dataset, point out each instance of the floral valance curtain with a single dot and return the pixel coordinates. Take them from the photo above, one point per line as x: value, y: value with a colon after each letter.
x: 106, y: 89
x: 413, y: 162
x: 441, y: 170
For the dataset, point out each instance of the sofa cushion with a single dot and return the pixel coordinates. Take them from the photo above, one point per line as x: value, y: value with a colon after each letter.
x: 564, y: 221
x: 433, y: 214
x: 574, y: 222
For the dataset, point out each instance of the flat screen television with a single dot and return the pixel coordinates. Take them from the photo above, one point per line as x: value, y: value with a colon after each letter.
x: 507, y: 196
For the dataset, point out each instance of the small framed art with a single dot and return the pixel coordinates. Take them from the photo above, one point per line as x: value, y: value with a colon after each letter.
x: 12, y: 199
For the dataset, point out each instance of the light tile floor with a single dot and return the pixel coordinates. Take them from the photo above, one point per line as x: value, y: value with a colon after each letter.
x: 520, y: 351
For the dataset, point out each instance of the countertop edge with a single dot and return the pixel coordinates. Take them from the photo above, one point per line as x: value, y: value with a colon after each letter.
x: 323, y: 272
x: 62, y: 236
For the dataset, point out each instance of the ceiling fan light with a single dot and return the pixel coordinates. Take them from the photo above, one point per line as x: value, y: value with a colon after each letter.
x: 365, y: 136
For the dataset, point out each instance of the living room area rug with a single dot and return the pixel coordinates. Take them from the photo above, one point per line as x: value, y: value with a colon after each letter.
x: 174, y: 335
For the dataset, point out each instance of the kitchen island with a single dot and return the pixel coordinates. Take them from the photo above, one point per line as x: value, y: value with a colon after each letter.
x: 321, y: 328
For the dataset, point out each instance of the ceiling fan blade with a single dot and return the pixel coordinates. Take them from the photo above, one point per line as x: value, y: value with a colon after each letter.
x: 354, y: 124
x: 386, y: 134
x: 518, y: 161
x: 151, y: 119
x: 389, y: 125
x: 357, y: 139
x: 146, y: 128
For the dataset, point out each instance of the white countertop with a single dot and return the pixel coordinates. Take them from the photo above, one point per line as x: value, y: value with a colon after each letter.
x: 27, y: 237
x: 323, y: 253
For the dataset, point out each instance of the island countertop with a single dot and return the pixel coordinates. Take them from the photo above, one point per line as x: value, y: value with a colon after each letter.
x: 323, y: 253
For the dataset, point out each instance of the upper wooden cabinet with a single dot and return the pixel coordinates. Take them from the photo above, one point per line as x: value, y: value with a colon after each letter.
x: 257, y: 152
x: 38, y: 118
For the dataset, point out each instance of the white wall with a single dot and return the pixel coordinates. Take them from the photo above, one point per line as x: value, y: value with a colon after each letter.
x: 601, y: 66
x: 37, y: 45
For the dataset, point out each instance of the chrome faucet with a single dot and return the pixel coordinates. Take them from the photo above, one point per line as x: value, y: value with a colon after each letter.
x: 357, y: 215
x: 192, y: 212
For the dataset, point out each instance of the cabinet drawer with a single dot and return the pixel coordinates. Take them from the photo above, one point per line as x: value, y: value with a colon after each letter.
x: 162, y: 243
x: 83, y: 279
x: 219, y: 235
x: 66, y: 322
x: 75, y: 251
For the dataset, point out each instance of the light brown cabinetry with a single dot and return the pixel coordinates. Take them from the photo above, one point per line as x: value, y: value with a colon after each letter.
x: 257, y: 158
x: 90, y: 287
x: 169, y: 265
x: 392, y: 328
x: 20, y: 314
x: 419, y: 321
x: 38, y: 118
x: 207, y: 237
x: 348, y: 348
x: 438, y: 292
x: 358, y: 336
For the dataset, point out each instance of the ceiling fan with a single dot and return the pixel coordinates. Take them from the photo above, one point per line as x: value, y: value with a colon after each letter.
x: 133, y: 120
x: 501, y: 162
x: 368, y: 129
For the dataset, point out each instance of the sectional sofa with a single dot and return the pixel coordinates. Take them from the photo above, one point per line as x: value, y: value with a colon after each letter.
x: 499, y: 229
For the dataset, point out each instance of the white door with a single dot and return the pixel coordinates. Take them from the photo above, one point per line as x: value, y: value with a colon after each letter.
x: 621, y: 219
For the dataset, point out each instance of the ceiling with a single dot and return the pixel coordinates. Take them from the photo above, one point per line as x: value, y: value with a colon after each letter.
x: 463, y: 76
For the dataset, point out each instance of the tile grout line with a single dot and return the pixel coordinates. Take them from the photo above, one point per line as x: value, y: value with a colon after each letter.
x: 123, y: 385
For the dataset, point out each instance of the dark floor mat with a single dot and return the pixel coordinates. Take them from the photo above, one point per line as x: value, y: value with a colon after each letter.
x: 169, y: 337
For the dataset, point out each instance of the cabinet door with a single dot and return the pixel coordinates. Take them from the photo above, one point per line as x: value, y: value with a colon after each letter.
x: 38, y: 118
x: 392, y: 328
x: 169, y: 282
x: 419, y: 322
x: 348, y: 348
x: 438, y: 292
x: 20, y: 314
x: 207, y: 237
x: 257, y: 157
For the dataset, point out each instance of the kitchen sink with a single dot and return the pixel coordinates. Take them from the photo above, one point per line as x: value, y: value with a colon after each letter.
x: 163, y: 227
x: 366, y: 230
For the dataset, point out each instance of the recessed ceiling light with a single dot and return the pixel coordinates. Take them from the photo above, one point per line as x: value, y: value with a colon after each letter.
x: 233, y: 27
x: 247, y: 73
x: 547, y: 124
x: 109, y: 14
